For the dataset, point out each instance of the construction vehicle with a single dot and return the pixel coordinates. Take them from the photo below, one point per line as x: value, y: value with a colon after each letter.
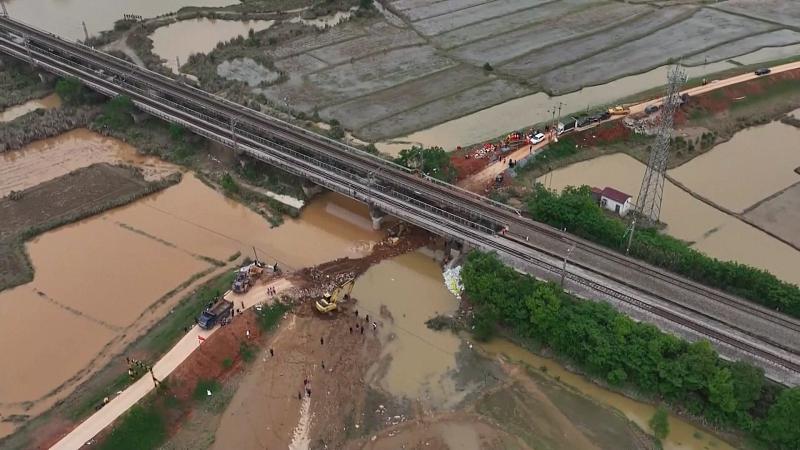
x: 247, y: 275
x: 219, y: 312
x: 329, y: 301
x: 619, y: 110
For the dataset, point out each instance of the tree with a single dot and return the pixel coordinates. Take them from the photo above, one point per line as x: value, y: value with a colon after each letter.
x: 117, y: 113
x: 176, y: 132
x: 432, y: 161
x: 780, y: 428
x: 70, y: 90
x: 484, y: 322
x: 488, y: 67
x: 228, y: 184
x: 659, y: 423
x: 365, y: 4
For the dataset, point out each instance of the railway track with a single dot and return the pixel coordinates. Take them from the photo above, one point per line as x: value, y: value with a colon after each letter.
x: 395, y: 188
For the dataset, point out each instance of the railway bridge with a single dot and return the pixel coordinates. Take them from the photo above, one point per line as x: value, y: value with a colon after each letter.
x: 737, y: 328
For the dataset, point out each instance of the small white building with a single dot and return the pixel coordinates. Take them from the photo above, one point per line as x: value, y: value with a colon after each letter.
x: 613, y: 200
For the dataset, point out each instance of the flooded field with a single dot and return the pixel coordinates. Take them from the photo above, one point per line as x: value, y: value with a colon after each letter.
x: 683, y: 435
x: 754, y: 164
x: 416, y: 362
x: 49, y: 102
x: 526, y: 111
x: 687, y: 218
x: 98, y: 282
x: 50, y: 158
x: 175, y: 42
x: 64, y: 18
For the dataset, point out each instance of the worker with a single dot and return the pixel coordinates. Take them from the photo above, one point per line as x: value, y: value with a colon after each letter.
x: 321, y: 340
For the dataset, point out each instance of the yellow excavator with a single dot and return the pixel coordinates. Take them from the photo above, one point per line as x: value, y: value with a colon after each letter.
x: 329, y: 301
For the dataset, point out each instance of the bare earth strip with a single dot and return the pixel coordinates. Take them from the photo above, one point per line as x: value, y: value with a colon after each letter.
x: 779, y: 38
x: 364, y: 76
x: 475, y: 14
x: 506, y: 46
x: 359, y: 112
x: 488, y: 28
x: 705, y: 29
x: 781, y: 11
x: 361, y: 47
x: 440, y: 8
x: 550, y: 58
x: 780, y: 214
x: 446, y: 108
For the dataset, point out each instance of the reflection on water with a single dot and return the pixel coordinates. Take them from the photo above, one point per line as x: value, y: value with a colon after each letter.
x: 178, y: 40
x: 754, y: 164
x: 48, y: 102
x: 402, y: 293
x: 682, y: 434
x: 64, y: 17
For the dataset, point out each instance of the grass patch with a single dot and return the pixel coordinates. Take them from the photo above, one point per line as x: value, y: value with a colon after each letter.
x: 143, y: 427
x: 203, y: 387
x: 247, y: 351
x: 227, y: 363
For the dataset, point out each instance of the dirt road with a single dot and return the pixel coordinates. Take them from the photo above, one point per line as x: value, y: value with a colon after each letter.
x: 87, y: 430
x: 479, y: 181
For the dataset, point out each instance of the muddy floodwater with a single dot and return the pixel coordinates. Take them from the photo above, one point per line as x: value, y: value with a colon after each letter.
x: 50, y: 158
x: 99, y: 282
x: 710, y: 230
x: 416, y: 362
x: 682, y: 435
x: 49, y: 102
x: 175, y: 42
x: 754, y: 164
x: 64, y: 17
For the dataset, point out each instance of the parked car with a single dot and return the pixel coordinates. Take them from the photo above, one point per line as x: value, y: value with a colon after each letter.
x: 583, y: 121
x: 651, y: 109
x: 536, y: 138
x: 762, y: 71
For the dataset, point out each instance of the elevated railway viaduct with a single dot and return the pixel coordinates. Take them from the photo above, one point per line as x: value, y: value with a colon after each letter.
x: 738, y: 329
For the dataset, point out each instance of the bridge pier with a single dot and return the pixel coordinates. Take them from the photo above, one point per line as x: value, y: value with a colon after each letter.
x: 46, y: 78
x: 310, y: 189
x: 139, y: 116
x: 377, y: 217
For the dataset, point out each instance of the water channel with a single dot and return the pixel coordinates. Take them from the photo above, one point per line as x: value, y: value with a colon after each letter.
x: 48, y: 102
x: 176, y: 41
x: 65, y: 18
x: 536, y: 108
x: 405, y: 291
x: 99, y: 282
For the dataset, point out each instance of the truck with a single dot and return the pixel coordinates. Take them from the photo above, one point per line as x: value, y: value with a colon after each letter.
x: 219, y: 312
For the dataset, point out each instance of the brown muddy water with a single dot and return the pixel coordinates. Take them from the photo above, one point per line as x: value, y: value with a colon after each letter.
x: 419, y: 363
x: 98, y: 282
x: 64, y: 17
x: 711, y: 231
x: 50, y: 158
x: 416, y: 362
x: 754, y: 164
x: 49, y: 102
x: 180, y: 39
x: 682, y: 435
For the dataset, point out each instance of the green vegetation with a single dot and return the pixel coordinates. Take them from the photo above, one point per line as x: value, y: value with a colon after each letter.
x: 270, y: 316
x: 247, y: 351
x: 71, y: 90
x: 659, y: 423
x: 553, y: 152
x: 433, y: 161
x: 140, y: 428
x: 608, y: 345
x: 202, y: 388
x: 488, y: 67
x: 575, y: 210
x: 117, y: 113
x: 229, y: 185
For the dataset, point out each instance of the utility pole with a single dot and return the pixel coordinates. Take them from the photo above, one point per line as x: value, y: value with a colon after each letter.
x: 28, y: 49
x: 177, y: 64
x: 631, y: 229
x: 564, y: 267
x: 233, y: 134
x: 3, y: 5
x: 85, y: 32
